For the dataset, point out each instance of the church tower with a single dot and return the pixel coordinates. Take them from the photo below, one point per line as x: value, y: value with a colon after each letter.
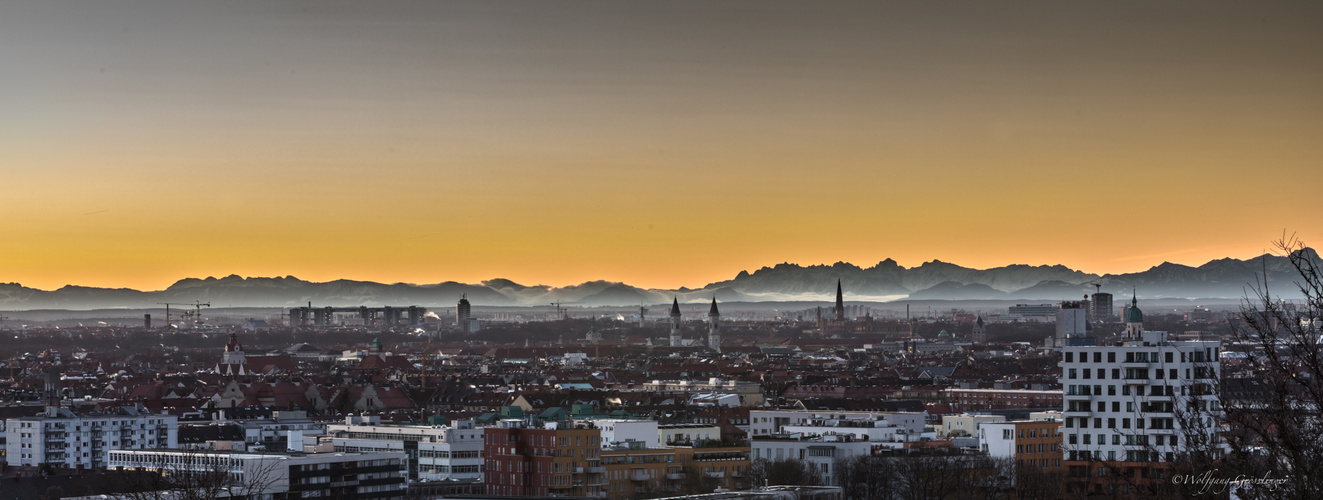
x: 675, y: 322
x: 980, y: 332
x: 232, y: 360
x: 1134, y: 319
x: 714, y: 327
x: 593, y: 335
x: 840, y: 302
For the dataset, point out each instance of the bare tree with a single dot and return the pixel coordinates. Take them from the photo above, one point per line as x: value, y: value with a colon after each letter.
x: 866, y: 477
x: 196, y: 475
x: 764, y: 472
x: 1276, y: 431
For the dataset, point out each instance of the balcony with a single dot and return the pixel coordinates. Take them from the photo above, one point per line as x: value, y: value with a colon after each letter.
x: 675, y: 476
x: 578, y: 470
x: 716, y: 474
x: 639, y: 476
x: 596, y: 470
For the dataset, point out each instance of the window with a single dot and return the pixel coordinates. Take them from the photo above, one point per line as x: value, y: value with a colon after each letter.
x: 1111, y: 357
x: 1072, y: 373
x: 1070, y: 357
x: 1087, y: 372
x: 1097, y: 357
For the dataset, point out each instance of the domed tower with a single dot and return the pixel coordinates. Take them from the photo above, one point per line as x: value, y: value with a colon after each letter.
x: 1134, y: 319
x: 713, y: 327
x: 675, y: 322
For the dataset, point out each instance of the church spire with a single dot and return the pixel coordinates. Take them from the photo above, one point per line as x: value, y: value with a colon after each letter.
x: 840, y: 302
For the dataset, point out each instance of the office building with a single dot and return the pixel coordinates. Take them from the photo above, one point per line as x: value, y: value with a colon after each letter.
x: 376, y: 476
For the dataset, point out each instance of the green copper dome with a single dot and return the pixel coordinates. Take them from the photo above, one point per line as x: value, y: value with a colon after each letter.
x: 943, y: 334
x: 1134, y: 315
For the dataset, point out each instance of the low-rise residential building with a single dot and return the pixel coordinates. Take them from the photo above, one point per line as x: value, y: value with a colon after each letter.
x: 821, y: 453
x: 966, y: 424
x: 377, y: 475
x: 1033, y: 444
x: 769, y: 422
x: 450, y: 452
x: 750, y: 393
x: 1002, y: 399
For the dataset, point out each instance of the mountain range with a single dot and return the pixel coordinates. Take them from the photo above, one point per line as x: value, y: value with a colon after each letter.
x: 887, y: 281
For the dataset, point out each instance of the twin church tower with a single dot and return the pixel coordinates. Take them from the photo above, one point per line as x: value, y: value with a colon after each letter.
x: 713, y: 326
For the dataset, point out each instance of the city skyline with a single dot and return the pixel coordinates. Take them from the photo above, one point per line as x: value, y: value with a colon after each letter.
x: 658, y: 146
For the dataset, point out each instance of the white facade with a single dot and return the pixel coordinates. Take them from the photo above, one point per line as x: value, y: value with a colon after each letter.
x: 367, y: 475
x: 1119, y: 400
x: 73, y: 440
x: 997, y: 439
x: 620, y: 431
x: 820, y: 453
x: 273, y: 433
x: 966, y: 425
x: 687, y: 433
x: 768, y: 422
x: 435, y: 453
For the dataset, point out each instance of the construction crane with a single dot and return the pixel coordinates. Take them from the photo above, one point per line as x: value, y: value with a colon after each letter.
x: 2, y: 322
x: 560, y: 312
x: 197, y: 307
x: 167, y: 310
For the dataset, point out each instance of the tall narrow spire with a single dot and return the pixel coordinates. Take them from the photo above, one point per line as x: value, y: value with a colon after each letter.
x: 676, y: 340
x: 714, y: 327
x: 840, y: 302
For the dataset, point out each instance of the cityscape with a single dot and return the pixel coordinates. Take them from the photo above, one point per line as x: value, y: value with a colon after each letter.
x: 731, y: 250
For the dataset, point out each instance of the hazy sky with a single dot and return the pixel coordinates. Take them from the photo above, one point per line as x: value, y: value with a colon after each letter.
x: 658, y: 143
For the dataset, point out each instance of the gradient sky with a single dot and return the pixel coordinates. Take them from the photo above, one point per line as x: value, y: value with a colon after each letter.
x: 663, y: 144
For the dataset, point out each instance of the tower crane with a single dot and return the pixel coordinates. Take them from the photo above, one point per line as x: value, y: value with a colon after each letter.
x: 167, y: 310
x: 197, y: 315
x: 197, y: 305
x: 560, y: 312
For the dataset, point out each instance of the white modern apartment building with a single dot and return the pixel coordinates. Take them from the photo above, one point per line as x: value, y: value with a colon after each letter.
x: 878, y: 432
x: 616, y: 431
x: 434, y: 453
x: 966, y: 425
x: 1120, y: 400
x: 68, y: 439
x: 769, y: 422
x: 821, y: 453
x: 376, y: 475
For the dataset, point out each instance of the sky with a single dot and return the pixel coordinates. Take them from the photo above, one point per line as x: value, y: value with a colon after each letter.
x: 662, y: 144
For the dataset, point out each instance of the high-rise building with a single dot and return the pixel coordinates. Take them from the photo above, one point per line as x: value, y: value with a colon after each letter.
x: 1102, y: 307
x: 463, y: 314
x: 713, y: 327
x: 1121, y: 401
x: 1072, y: 320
